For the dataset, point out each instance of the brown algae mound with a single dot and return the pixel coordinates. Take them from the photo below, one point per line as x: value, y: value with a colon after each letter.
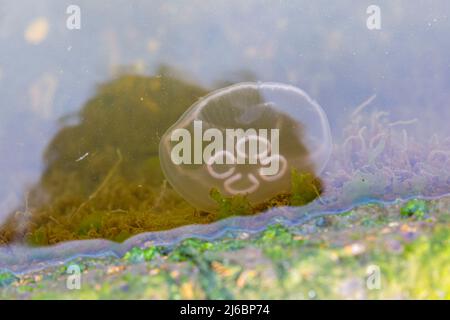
x: 102, y: 176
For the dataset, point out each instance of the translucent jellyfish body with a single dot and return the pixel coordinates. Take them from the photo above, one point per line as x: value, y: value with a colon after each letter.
x: 245, y: 139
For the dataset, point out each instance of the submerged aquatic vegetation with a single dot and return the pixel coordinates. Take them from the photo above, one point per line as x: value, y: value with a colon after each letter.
x: 118, y: 189
x: 6, y: 278
x: 415, y: 208
x: 237, y: 205
x: 137, y: 254
x: 276, y: 234
x: 189, y: 248
x: 277, y: 263
x: 103, y: 177
x: 304, y: 188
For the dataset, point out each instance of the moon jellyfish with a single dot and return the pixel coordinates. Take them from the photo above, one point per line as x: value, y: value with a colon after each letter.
x: 245, y: 139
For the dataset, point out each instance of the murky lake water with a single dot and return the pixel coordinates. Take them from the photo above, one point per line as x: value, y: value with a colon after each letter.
x: 386, y: 94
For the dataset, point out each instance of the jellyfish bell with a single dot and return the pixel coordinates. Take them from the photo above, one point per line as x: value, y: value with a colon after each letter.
x: 245, y: 139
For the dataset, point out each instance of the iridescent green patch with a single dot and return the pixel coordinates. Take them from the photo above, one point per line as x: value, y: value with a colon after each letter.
x: 6, y: 278
x: 415, y: 208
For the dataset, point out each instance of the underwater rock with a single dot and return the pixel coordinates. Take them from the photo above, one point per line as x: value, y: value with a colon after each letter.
x: 245, y: 139
x: 101, y: 175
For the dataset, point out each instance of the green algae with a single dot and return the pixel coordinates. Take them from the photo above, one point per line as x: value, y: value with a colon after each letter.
x: 7, y: 278
x: 305, y: 187
x: 137, y: 255
x: 415, y: 208
x: 276, y: 233
x: 280, y: 265
x: 190, y: 248
x: 235, y: 205
x: 102, y: 176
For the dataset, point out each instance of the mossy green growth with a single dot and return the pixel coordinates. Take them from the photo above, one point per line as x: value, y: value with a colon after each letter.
x: 136, y: 254
x: 190, y: 248
x: 228, y: 206
x: 102, y: 176
x: 305, y: 187
x: 276, y: 233
x: 193, y: 251
x: 280, y: 262
x: 7, y: 278
x: 415, y: 208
